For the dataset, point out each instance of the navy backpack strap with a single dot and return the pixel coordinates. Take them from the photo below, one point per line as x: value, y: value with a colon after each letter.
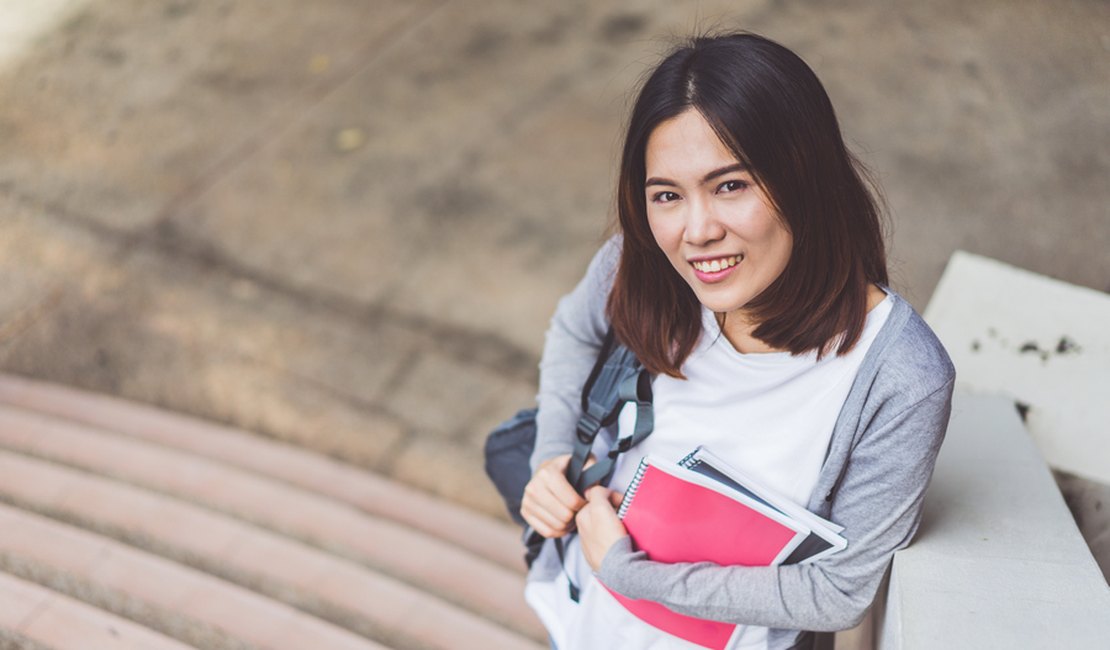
x: 602, y: 404
x: 634, y: 388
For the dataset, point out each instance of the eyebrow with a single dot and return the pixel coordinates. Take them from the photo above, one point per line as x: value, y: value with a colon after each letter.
x: 736, y: 167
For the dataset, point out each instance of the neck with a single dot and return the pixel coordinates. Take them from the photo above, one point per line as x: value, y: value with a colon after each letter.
x: 737, y: 327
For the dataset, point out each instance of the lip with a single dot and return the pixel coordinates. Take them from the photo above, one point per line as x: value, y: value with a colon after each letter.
x: 714, y: 277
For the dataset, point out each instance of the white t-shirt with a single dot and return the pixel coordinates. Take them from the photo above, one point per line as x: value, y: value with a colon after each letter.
x: 770, y: 415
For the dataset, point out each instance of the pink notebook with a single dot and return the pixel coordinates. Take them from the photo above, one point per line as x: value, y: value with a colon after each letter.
x: 676, y: 515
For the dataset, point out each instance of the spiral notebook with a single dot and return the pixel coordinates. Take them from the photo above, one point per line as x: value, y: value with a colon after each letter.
x: 824, y: 536
x: 697, y: 511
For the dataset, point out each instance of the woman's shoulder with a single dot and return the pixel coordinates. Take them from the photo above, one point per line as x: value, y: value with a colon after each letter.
x: 609, y: 254
x: 603, y: 266
x: 909, y: 358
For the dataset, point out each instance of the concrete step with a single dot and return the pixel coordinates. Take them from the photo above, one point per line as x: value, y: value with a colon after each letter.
x: 239, y: 541
x: 333, y: 588
x: 62, y: 623
x: 122, y: 574
x: 494, y: 540
x: 431, y: 564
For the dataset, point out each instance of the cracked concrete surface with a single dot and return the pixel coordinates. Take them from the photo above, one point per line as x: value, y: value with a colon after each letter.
x: 346, y: 225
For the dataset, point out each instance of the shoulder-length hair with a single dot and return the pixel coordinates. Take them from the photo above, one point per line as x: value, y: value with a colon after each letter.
x: 768, y: 107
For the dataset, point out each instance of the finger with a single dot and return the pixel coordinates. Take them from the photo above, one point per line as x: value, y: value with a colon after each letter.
x: 615, y: 498
x: 553, y: 505
x: 563, y: 491
x: 553, y: 493
x: 559, y: 463
x: 529, y: 515
x: 597, y: 493
x: 536, y: 524
x: 539, y: 500
x: 543, y: 522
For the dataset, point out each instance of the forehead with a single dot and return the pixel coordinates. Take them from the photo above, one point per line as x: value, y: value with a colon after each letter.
x: 685, y: 146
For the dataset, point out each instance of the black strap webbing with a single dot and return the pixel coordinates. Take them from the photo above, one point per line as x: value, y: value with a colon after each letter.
x: 560, y: 548
x: 607, y: 344
x: 616, y: 379
x: 586, y: 430
x: 634, y: 388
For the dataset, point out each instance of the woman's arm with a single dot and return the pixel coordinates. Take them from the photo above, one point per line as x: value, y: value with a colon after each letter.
x: 878, y: 503
x: 570, y: 349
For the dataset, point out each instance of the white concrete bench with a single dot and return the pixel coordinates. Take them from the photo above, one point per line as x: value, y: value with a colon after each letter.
x: 998, y: 561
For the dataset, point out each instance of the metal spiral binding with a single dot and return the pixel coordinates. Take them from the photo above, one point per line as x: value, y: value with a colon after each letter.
x: 630, y: 491
x: 689, y: 462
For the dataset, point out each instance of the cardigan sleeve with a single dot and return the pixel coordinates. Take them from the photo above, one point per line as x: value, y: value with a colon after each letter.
x: 570, y: 349
x: 878, y: 503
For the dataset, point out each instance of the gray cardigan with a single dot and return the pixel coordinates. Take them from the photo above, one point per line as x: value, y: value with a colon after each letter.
x: 876, y: 470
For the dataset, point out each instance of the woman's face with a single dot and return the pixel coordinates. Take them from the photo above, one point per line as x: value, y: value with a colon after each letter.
x: 709, y: 217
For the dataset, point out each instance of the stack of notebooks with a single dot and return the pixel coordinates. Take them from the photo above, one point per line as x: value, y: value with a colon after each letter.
x: 703, y: 510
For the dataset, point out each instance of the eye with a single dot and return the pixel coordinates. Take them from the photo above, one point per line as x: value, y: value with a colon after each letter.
x: 733, y: 186
x: 664, y: 197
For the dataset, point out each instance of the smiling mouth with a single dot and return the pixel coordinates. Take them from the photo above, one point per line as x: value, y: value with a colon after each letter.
x: 717, y: 265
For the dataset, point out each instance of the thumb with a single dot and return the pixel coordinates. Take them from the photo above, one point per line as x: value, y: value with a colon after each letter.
x: 615, y: 498
x: 597, y: 493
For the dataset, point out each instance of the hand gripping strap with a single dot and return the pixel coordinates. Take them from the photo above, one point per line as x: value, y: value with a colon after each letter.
x: 616, y: 379
x: 625, y: 381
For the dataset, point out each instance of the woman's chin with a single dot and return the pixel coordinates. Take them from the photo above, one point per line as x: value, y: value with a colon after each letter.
x: 719, y: 304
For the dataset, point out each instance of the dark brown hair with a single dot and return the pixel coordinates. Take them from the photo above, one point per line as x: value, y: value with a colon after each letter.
x: 770, y: 110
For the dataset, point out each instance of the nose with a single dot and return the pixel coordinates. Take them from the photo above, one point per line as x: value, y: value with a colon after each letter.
x: 702, y: 225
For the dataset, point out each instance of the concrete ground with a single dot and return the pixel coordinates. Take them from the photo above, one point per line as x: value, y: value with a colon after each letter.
x: 346, y: 224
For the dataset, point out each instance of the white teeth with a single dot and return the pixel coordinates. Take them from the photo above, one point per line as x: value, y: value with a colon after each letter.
x: 716, y: 265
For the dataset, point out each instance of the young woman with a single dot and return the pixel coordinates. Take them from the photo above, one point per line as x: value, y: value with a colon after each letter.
x: 750, y: 278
